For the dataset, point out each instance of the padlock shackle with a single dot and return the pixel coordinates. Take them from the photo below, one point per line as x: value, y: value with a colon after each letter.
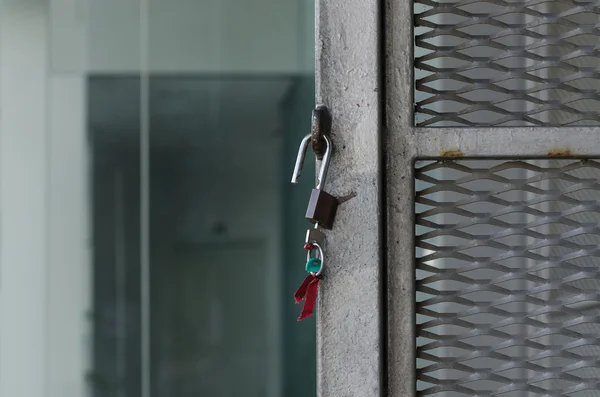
x: 321, y: 256
x: 324, y: 163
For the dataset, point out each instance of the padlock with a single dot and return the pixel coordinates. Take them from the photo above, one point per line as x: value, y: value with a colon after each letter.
x: 321, y: 209
x: 322, y: 206
x: 314, y: 235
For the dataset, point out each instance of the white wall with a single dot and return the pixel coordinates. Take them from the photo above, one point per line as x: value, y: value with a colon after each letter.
x: 23, y: 224
x: 68, y: 278
x: 44, y: 260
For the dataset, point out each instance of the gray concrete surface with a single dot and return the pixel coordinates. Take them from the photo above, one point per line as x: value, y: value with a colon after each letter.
x: 349, y: 333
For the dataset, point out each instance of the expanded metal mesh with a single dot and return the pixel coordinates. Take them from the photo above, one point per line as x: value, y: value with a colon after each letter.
x: 507, y: 62
x: 507, y: 278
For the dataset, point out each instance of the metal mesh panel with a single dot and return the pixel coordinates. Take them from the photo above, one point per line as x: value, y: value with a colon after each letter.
x: 507, y: 62
x: 508, y: 270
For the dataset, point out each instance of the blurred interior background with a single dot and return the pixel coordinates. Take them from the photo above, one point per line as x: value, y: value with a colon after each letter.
x: 151, y: 237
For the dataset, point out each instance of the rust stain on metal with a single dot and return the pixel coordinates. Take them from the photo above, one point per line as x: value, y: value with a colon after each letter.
x: 560, y: 152
x: 454, y: 153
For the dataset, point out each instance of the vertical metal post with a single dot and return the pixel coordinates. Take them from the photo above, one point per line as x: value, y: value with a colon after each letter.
x: 400, y: 197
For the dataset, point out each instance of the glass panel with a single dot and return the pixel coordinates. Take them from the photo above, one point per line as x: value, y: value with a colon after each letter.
x: 115, y: 118
x: 114, y: 121
x: 151, y: 240
x: 227, y: 96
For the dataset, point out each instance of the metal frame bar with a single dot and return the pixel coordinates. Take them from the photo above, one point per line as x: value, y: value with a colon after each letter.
x: 348, y: 75
x: 400, y: 144
x: 531, y: 142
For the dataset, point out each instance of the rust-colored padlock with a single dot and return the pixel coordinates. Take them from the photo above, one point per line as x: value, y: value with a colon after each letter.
x: 322, y: 206
x: 321, y: 209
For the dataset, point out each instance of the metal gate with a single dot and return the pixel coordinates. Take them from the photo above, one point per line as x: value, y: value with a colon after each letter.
x: 465, y: 260
x: 507, y: 278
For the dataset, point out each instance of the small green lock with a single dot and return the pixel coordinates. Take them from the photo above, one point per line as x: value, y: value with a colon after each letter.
x: 313, y: 265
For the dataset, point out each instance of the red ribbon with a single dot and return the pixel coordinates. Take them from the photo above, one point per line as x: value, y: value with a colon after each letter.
x: 307, y: 291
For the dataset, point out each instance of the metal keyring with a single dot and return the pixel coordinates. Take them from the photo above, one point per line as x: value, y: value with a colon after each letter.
x: 321, y: 257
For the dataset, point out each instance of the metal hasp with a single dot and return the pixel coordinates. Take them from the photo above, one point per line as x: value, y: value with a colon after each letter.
x: 322, y: 206
x: 320, y: 125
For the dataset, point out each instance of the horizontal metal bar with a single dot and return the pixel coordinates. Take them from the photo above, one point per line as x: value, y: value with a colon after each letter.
x: 533, y: 142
